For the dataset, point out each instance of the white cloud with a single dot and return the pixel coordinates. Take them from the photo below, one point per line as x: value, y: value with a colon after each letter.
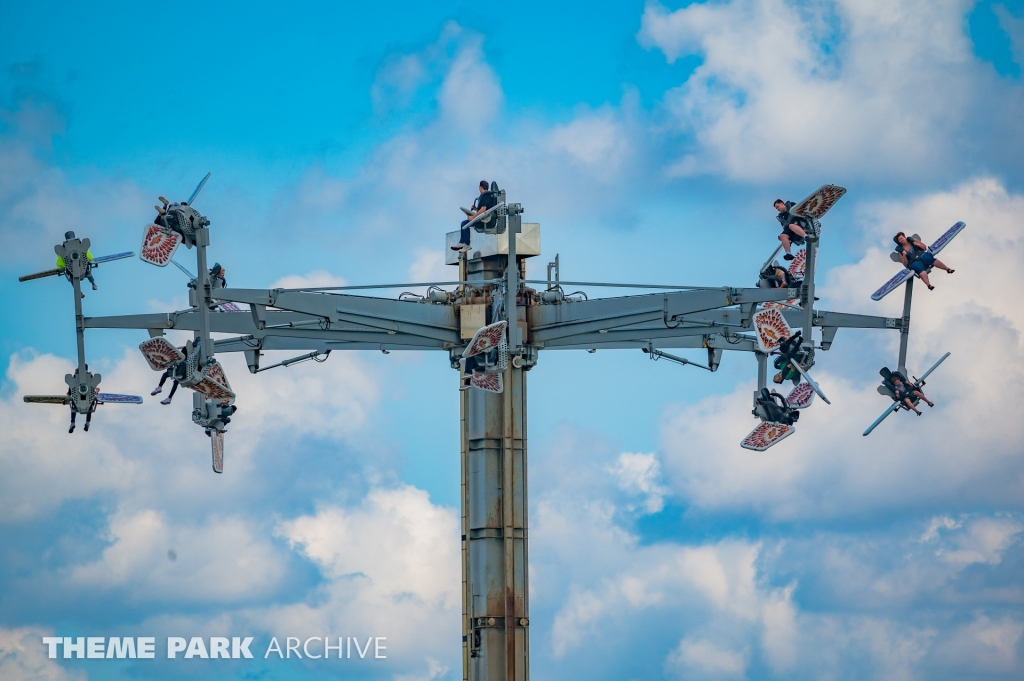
x: 222, y: 560
x: 314, y: 279
x: 429, y: 266
x: 705, y: 656
x: 37, y: 198
x: 641, y: 474
x: 23, y: 657
x: 810, y: 89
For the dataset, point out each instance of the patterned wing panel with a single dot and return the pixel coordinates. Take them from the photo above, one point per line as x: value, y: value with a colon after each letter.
x: 46, y: 399
x: 818, y: 203
x: 801, y: 396
x: 159, y: 245
x: 217, y: 445
x: 119, y: 399
x: 772, y: 329
x: 159, y: 353
x: 492, y: 383
x: 941, y: 242
x: 488, y: 338
x: 766, y: 435
x: 798, y: 267
x: 893, y: 284
x: 215, y: 384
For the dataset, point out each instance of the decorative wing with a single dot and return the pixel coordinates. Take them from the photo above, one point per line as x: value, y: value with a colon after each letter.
x: 765, y: 435
x: 40, y: 275
x: 892, y: 407
x: 214, y: 384
x: 943, y: 240
x: 798, y: 267
x: 893, y: 284
x: 810, y: 381
x: 487, y: 338
x: 229, y: 307
x: 934, y: 367
x: 492, y: 383
x: 199, y: 188
x: 111, y: 258
x: 159, y: 353
x: 818, y: 203
x: 159, y: 245
x: 217, y: 445
x: 801, y: 396
x: 772, y: 329
x: 118, y: 399
x: 46, y: 399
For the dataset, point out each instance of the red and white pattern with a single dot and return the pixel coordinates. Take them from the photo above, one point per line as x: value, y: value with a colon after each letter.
x: 486, y: 339
x: 771, y: 328
x: 766, y: 435
x: 492, y: 383
x: 784, y: 305
x: 159, y: 245
x: 801, y: 396
x: 217, y: 445
x: 159, y: 353
x: 215, y: 384
x: 798, y: 267
x: 818, y: 203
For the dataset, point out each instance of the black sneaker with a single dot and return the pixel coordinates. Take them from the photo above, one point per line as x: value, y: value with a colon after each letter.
x: 72, y: 428
x: 87, y: 427
x: 788, y: 256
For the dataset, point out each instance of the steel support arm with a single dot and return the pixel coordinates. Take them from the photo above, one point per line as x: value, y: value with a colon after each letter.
x: 548, y: 322
x: 303, y: 330
x: 431, y: 321
x: 736, y: 343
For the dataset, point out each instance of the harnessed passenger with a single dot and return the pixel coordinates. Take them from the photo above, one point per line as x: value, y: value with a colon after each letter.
x: 906, y: 392
x: 794, y: 229
x: 486, y: 200
x: 916, y: 257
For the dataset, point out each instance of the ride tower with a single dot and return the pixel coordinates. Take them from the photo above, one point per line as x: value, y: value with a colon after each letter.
x: 492, y: 299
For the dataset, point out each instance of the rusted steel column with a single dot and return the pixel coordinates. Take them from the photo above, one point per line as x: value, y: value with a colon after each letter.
x: 496, y: 541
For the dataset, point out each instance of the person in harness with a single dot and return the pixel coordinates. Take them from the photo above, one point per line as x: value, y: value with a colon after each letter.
x: 905, y: 392
x: 789, y: 353
x: 487, y: 199
x: 176, y: 371
x: 777, y: 276
x: 217, y: 276
x: 88, y: 267
x: 915, y: 256
x: 794, y: 229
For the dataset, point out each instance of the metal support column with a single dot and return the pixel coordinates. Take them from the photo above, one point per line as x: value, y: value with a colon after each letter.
x: 762, y: 374
x: 908, y: 295
x: 807, y: 299
x: 464, y: 497
x: 79, y: 325
x: 202, y: 239
x: 497, y: 523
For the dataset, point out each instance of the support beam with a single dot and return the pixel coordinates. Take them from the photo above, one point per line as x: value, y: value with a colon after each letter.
x: 495, y: 435
x: 908, y: 296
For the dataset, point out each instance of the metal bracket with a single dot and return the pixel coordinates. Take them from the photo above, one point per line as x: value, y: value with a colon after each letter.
x: 259, y: 315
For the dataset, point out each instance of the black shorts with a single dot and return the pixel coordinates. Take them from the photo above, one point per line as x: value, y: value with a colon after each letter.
x: 793, y: 238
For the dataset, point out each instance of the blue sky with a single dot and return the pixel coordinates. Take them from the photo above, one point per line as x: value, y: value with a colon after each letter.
x: 649, y: 141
